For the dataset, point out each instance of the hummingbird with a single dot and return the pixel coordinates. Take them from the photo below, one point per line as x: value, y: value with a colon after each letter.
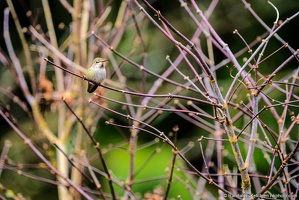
x: 96, y: 73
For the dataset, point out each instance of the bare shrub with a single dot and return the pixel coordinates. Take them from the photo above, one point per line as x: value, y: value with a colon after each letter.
x: 188, y: 109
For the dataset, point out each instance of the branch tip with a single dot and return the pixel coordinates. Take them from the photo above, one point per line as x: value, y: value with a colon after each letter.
x: 277, y: 12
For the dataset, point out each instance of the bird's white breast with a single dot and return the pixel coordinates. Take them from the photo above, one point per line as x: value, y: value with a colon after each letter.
x: 99, y: 75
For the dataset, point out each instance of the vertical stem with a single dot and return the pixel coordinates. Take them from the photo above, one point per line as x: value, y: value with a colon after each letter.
x: 53, y: 39
x: 132, y: 149
x: 82, y: 23
x: 219, y: 143
x: 25, y: 45
x: 62, y: 162
x: 175, y: 153
x: 253, y: 133
x: 229, y: 129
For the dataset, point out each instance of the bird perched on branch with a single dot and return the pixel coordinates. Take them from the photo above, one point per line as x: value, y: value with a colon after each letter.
x: 96, y: 73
